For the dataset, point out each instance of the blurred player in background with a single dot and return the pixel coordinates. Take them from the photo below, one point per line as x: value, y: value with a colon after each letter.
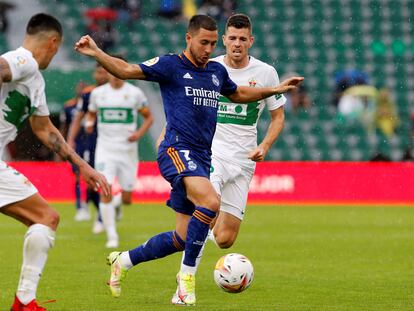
x: 190, y: 86
x: 66, y: 117
x: 85, y: 145
x: 234, y: 147
x: 116, y: 105
x: 22, y: 97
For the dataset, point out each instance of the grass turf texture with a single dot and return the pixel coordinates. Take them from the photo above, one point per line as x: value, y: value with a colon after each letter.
x: 305, y: 258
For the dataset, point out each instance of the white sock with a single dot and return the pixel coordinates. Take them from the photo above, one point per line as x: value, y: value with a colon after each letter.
x: 211, y: 236
x: 126, y: 260
x: 108, y: 218
x: 188, y: 269
x: 117, y: 200
x: 193, y: 270
x: 37, y: 242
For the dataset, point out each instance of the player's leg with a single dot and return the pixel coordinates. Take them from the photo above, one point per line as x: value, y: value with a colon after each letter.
x: 127, y: 178
x: 219, y: 176
x: 19, y: 199
x: 159, y: 246
x: 202, y: 194
x: 108, y: 167
x: 92, y: 195
x: 232, y: 209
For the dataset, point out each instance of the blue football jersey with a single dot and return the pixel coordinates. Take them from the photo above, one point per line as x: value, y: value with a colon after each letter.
x: 190, y: 95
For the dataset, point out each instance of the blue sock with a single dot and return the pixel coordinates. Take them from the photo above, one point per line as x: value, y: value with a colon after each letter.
x: 196, y: 234
x: 93, y: 196
x: 78, y: 194
x: 158, y: 246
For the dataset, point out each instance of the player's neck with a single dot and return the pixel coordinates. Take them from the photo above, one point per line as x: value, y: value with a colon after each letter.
x: 34, y: 48
x: 117, y: 85
x: 192, y: 60
x: 232, y: 63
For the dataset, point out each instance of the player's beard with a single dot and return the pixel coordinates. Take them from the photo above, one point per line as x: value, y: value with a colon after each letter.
x: 198, y: 60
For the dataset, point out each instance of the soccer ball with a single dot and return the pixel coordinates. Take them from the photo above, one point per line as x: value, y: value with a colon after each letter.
x: 233, y: 273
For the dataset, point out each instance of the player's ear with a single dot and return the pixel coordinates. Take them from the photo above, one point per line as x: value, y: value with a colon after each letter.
x: 187, y: 37
x: 251, y: 41
x: 223, y: 37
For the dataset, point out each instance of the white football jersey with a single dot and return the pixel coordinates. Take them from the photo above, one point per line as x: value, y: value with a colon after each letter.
x: 23, y: 96
x: 117, y: 111
x: 236, y: 131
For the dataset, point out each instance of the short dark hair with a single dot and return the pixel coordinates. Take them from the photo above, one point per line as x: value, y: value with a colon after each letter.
x: 201, y: 21
x: 239, y: 21
x: 43, y: 22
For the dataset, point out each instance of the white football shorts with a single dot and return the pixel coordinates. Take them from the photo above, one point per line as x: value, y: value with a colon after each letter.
x: 232, y: 182
x: 14, y: 186
x: 121, y: 164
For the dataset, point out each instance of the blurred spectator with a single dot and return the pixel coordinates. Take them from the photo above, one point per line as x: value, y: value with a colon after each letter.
x: 4, y: 21
x: 171, y: 9
x: 105, y: 35
x: 218, y: 9
x: 386, y: 116
x: 69, y: 109
x: 128, y: 11
x: 346, y: 79
x: 298, y: 98
x: 189, y: 8
x: 357, y: 104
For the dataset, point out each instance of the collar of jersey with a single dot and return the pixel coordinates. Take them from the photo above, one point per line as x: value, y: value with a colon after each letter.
x: 188, y: 60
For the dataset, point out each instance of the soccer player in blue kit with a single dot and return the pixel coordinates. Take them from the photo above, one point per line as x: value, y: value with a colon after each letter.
x: 190, y: 87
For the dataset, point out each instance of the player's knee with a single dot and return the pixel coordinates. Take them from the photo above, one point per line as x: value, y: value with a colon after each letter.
x: 127, y: 201
x: 212, y: 203
x: 52, y: 219
x: 224, y: 241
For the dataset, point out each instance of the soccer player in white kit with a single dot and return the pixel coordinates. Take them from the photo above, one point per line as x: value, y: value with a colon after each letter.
x: 22, y: 97
x: 234, y: 149
x: 116, y: 106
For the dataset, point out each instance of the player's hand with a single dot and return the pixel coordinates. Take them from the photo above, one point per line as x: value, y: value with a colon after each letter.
x: 288, y: 84
x: 133, y: 138
x: 258, y: 154
x: 86, y: 46
x: 94, y: 179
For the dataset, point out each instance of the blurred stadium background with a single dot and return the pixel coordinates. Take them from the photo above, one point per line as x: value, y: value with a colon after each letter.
x: 322, y: 40
x: 314, y: 258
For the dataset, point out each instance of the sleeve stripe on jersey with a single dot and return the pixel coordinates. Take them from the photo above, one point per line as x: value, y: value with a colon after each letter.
x: 179, y: 165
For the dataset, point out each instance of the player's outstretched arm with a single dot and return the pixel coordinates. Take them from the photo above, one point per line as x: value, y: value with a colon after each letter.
x: 245, y: 94
x: 49, y: 135
x: 114, y: 65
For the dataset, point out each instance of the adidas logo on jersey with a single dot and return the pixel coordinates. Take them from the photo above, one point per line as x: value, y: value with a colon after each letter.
x: 187, y: 76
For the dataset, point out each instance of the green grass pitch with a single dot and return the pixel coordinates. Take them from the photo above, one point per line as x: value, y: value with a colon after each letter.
x: 305, y: 258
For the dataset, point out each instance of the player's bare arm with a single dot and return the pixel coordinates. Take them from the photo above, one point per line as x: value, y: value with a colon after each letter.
x: 90, y: 121
x: 275, y: 128
x: 118, y: 67
x: 49, y: 135
x: 74, y: 128
x: 160, y: 138
x: 5, y: 72
x: 146, y: 124
x: 245, y: 94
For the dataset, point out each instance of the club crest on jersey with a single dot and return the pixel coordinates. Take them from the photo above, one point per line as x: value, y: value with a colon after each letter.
x: 151, y: 61
x: 21, y: 60
x: 192, y: 166
x: 252, y: 82
x: 215, y: 80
